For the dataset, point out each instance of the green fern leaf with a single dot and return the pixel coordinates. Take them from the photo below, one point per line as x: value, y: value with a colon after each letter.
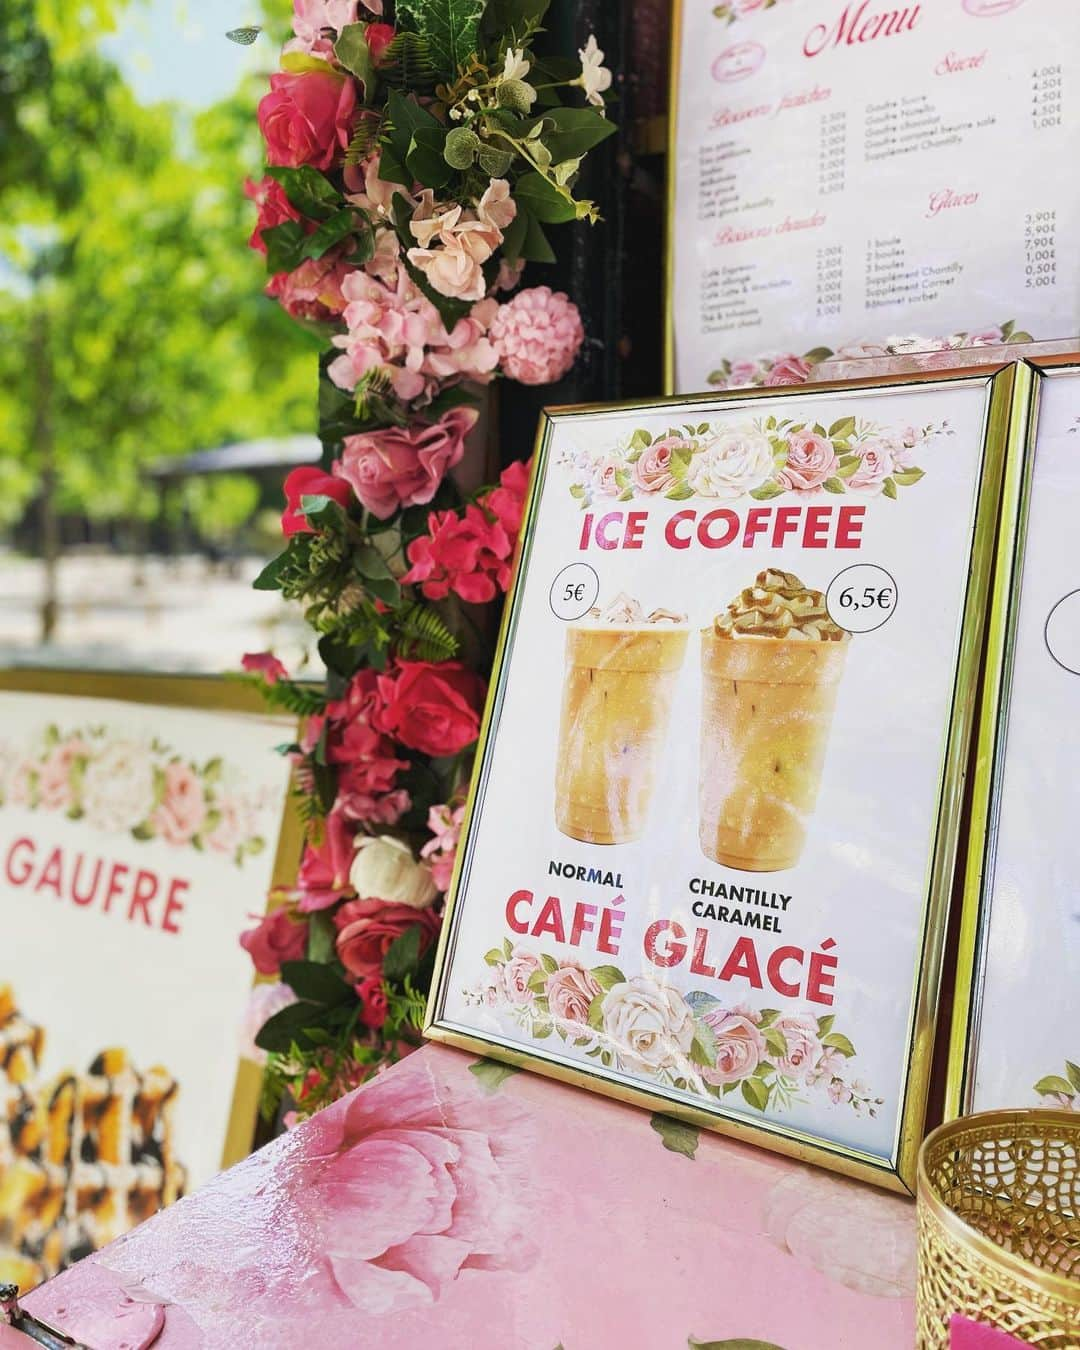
x: 424, y: 636
x: 408, y: 64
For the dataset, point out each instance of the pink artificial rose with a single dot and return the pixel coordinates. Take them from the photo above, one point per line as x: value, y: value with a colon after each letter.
x: 368, y: 928
x: 789, y: 369
x: 324, y: 869
x: 274, y: 209
x: 54, y: 777
x: 308, y: 481
x: 265, y: 664
x: 516, y: 975
x: 403, y: 466
x: 379, y: 35
x: 651, y: 471
x: 403, y: 1187
x: 312, y: 290
x: 570, y: 991
x: 811, y: 460
x: 182, y: 811
x: 875, y: 465
x: 740, y: 1047
x: 275, y: 939
x: 537, y: 335
x: 307, y: 117
x: 803, y: 1045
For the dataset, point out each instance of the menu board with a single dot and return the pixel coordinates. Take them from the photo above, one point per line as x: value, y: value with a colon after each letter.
x: 1018, y: 1035
x: 713, y: 814
x: 860, y: 179
x: 137, y: 843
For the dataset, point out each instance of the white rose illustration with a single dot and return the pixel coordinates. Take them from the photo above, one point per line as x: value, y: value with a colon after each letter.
x: 731, y: 464
x: 118, y: 789
x: 649, y: 1027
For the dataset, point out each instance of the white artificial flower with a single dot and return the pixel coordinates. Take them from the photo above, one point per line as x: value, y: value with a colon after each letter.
x: 515, y: 67
x: 384, y: 869
x: 595, y: 77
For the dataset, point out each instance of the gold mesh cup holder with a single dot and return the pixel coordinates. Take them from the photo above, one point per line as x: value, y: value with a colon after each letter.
x: 999, y: 1228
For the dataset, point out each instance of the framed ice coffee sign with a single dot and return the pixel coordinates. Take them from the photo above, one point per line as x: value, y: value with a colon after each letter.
x: 714, y: 817
x: 1016, y: 1034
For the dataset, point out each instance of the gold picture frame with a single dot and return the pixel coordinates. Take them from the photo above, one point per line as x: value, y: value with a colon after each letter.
x: 1008, y: 393
x: 202, y: 693
x: 990, y: 747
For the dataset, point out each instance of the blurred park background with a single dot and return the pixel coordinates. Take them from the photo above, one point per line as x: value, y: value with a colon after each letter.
x: 151, y: 397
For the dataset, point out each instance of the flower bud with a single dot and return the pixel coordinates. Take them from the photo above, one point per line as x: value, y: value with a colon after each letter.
x: 385, y: 869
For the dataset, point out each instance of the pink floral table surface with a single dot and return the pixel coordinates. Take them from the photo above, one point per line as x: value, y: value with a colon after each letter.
x: 455, y: 1203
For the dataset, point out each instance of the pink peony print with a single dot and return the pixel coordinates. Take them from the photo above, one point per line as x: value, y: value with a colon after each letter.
x: 419, y: 1185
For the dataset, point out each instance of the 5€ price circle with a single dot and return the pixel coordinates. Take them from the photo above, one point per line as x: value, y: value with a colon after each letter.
x: 861, y: 598
x: 574, y: 592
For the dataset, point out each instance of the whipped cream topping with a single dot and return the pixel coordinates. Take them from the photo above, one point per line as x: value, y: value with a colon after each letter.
x: 778, y: 605
x: 625, y: 609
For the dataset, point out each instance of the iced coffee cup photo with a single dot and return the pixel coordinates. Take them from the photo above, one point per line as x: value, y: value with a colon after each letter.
x: 771, y: 666
x: 622, y: 666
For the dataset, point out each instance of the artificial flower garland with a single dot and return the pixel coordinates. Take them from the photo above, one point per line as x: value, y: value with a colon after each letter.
x: 413, y: 168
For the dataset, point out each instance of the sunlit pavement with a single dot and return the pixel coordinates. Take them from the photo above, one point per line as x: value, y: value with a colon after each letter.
x: 182, y: 614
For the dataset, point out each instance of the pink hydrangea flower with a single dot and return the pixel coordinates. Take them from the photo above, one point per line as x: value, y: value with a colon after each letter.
x: 537, y: 335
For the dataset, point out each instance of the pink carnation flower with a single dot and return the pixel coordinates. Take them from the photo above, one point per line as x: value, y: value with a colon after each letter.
x: 537, y: 335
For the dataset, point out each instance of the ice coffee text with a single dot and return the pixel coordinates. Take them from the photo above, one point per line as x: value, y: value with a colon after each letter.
x: 772, y: 527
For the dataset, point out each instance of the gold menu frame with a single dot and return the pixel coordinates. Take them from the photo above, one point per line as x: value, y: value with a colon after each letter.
x: 674, y: 65
x: 198, y: 693
x: 990, y: 748
x: 1008, y: 389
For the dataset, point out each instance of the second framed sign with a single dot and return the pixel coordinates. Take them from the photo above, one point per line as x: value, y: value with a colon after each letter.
x: 714, y: 818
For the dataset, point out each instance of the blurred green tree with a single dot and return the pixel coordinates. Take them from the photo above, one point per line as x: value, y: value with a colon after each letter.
x: 133, y: 322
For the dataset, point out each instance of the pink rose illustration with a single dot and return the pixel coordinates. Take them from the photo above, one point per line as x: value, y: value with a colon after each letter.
x: 235, y: 826
x: 54, y: 778
x: 182, y: 812
x: 789, y: 369
x: 744, y: 373
x: 570, y: 990
x: 876, y: 465
x: 803, y: 1046
x: 740, y: 1047
x: 811, y: 460
x: 420, y: 1185
x: 516, y: 974
x: 986, y: 337
x: 651, y: 472
x: 603, y: 476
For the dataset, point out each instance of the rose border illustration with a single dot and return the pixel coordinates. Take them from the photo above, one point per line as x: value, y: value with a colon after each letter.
x: 126, y: 786
x: 741, y: 9
x: 694, y: 1044
x: 789, y: 368
x: 760, y: 458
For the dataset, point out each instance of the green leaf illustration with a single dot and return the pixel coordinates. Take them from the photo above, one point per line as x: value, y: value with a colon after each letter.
x: 596, y: 1013
x: 675, y: 1136
x: 449, y: 27
x: 1054, y: 1083
x: 835, y: 1041
x: 835, y: 485
x: 907, y: 477
x: 732, y: 1345
x: 494, y: 957
x: 770, y: 489
x: 1073, y: 1070
x: 491, y: 1074
x: 607, y: 977
x: 888, y: 488
x: 844, y: 427
x: 755, y: 1093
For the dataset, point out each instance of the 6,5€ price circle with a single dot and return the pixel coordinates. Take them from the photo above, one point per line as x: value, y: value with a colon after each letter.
x: 861, y: 598
x: 574, y: 592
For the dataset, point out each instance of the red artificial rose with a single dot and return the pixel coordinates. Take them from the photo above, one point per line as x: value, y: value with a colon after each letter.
x: 307, y: 117
x: 433, y: 707
x: 372, y: 995
x: 469, y: 556
x: 379, y: 36
x: 309, y: 482
x: 276, y: 939
x: 368, y: 928
x: 274, y: 209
